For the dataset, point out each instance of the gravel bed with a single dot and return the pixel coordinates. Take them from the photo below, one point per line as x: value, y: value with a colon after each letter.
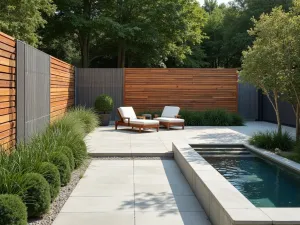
x: 63, y: 196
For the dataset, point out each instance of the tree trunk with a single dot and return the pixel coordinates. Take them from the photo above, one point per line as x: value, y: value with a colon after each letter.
x: 279, y: 129
x: 297, y: 122
x: 121, y: 54
x: 84, y: 47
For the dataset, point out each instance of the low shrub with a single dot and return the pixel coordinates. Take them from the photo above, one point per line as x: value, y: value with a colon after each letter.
x: 88, y: 117
x: 12, y: 210
x: 69, y: 153
x: 272, y: 140
x: 50, y: 172
x: 236, y: 119
x: 60, y: 160
x: 217, y: 117
x: 36, y: 194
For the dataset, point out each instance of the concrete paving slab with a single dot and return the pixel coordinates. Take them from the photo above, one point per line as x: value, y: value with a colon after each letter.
x: 171, y: 218
x: 168, y: 202
x: 105, y: 141
x: 111, y: 218
x: 99, y: 204
x: 163, y: 189
x: 90, y: 188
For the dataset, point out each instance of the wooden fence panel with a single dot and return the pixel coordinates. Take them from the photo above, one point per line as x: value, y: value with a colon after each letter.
x: 62, y: 87
x: 193, y: 89
x: 7, y: 91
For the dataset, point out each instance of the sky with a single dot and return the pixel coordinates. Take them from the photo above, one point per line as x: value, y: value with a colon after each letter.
x: 219, y: 1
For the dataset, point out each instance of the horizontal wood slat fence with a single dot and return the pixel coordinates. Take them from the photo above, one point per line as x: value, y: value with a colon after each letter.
x: 18, y: 69
x: 7, y: 91
x: 62, y: 87
x: 192, y: 89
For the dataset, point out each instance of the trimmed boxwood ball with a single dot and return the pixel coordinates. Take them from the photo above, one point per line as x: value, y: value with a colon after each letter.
x: 50, y: 172
x: 69, y: 153
x: 12, y: 210
x: 36, y: 194
x: 104, y: 104
x: 60, y: 160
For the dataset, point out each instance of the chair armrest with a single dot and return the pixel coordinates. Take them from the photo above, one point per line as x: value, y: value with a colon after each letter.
x: 128, y: 120
x: 141, y: 117
x: 178, y: 116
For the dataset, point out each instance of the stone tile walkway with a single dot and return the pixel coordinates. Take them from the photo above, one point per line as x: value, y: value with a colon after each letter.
x: 106, y: 141
x: 132, y: 192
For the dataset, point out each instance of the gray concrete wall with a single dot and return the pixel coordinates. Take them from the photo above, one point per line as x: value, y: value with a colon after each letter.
x: 92, y: 82
x: 33, y: 91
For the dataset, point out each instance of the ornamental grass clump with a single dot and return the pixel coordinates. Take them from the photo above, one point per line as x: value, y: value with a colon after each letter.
x: 271, y: 140
x: 88, y: 117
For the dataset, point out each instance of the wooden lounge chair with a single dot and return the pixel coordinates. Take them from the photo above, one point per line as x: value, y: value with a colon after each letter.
x: 128, y: 118
x: 170, y: 117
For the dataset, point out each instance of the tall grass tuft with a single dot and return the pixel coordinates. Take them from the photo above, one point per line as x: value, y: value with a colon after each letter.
x: 88, y: 117
x: 271, y: 140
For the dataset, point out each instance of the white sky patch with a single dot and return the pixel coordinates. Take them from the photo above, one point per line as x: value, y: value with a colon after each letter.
x: 219, y: 1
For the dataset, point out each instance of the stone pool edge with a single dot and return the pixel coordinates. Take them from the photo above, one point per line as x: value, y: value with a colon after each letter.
x: 222, y: 202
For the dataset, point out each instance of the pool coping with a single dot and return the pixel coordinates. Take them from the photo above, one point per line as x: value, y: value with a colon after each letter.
x: 221, y: 201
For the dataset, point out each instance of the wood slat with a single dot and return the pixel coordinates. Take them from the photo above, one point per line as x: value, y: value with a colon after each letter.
x: 7, y: 90
x: 62, y: 88
x: 193, y: 89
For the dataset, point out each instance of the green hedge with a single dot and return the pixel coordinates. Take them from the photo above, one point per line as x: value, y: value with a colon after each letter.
x: 28, y: 172
x: 212, y: 117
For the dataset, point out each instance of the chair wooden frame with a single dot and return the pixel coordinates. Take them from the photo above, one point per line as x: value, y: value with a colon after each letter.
x: 171, y: 124
x: 139, y: 126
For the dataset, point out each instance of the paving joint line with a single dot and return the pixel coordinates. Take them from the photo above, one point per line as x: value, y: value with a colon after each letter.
x: 134, y: 218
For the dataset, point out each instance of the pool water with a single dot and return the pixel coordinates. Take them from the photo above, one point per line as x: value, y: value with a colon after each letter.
x: 262, y: 182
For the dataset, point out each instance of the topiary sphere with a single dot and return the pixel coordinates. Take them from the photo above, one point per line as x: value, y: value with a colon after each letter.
x: 12, y: 210
x: 104, y: 104
x: 36, y: 194
x: 60, y: 160
x: 50, y: 172
x: 69, y: 153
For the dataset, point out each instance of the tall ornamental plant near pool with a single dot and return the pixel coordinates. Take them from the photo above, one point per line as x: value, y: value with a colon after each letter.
x: 34, y: 172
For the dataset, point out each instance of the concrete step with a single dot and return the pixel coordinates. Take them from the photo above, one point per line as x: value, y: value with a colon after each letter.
x: 227, y: 156
x: 224, y: 152
x: 220, y: 149
x: 229, y: 146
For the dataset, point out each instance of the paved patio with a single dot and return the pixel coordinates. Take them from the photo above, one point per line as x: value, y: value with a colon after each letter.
x: 132, y: 192
x: 106, y: 141
x: 143, y: 192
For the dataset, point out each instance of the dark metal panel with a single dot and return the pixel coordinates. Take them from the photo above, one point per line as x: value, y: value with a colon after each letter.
x: 92, y: 82
x: 247, y: 101
x: 37, y: 90
x: 20, y: 99
x: 286, y: 111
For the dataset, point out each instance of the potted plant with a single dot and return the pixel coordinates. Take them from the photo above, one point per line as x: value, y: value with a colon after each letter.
x: 104, y: 105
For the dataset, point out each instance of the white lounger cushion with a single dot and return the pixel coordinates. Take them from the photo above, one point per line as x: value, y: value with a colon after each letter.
x: 169, y: 120
x: 170, y: 111
x: 127, y: 112
x: 144, y: 122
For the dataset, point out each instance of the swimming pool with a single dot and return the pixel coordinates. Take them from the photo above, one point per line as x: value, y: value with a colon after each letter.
x: 263, y: 183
